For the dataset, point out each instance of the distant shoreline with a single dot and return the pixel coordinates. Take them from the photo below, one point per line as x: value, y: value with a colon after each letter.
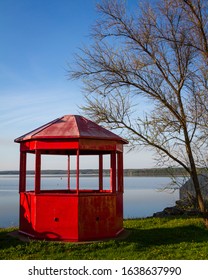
x: 151, y: 172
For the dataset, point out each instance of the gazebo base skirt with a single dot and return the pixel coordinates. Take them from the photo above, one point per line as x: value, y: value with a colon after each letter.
x: 70, y: 216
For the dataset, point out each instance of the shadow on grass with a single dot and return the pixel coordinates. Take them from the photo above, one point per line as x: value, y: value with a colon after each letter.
x: 7, y: 241
x: 144, y: 237
x: 167, y: 236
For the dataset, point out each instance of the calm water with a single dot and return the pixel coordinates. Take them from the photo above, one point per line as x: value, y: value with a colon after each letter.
x: 142, y: 196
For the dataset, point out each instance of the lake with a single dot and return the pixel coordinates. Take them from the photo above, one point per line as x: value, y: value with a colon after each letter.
x: 142, y: 195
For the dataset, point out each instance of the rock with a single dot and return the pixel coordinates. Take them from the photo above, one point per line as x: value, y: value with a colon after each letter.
x: 192, y: 212
x: 188, y: 191
x: 186, y: 203
x: 173, y: 211
x: 160, y: 214
x: 182, y: 208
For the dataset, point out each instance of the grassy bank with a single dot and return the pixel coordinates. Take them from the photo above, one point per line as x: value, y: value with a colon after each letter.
x: 150, y: 238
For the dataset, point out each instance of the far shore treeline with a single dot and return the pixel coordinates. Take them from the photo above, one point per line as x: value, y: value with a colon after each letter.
x: 106, y: 172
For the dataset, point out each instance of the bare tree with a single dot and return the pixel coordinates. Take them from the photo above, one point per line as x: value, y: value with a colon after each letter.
x: 158, y: 52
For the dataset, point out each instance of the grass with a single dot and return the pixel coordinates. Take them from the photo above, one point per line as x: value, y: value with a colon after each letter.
x: 150, y: 239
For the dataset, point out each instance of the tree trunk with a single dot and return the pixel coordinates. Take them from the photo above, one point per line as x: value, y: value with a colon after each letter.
x: 194, y: 177
x: 199, y: 198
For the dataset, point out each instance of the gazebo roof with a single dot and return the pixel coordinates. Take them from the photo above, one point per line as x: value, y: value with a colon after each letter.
x: 71, y: 127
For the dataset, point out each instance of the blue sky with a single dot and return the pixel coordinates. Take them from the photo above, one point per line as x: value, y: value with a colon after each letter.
x: 38, y: 40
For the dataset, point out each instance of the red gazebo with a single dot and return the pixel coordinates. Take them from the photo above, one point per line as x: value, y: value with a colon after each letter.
x: 72, y: 214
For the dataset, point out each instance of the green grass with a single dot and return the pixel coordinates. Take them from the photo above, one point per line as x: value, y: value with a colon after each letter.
x: 150, y: 239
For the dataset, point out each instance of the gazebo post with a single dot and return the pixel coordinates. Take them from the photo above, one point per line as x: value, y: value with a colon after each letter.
x: 22, y: 177
x: 68, y: 172
x: 100, y: 172
x: 120, y: 171
x: 77, y: 173
x: 37, y: 171
x: 113, y: 172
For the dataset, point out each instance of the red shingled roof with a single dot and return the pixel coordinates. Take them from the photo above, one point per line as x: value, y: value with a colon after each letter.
x: 70, y: 126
